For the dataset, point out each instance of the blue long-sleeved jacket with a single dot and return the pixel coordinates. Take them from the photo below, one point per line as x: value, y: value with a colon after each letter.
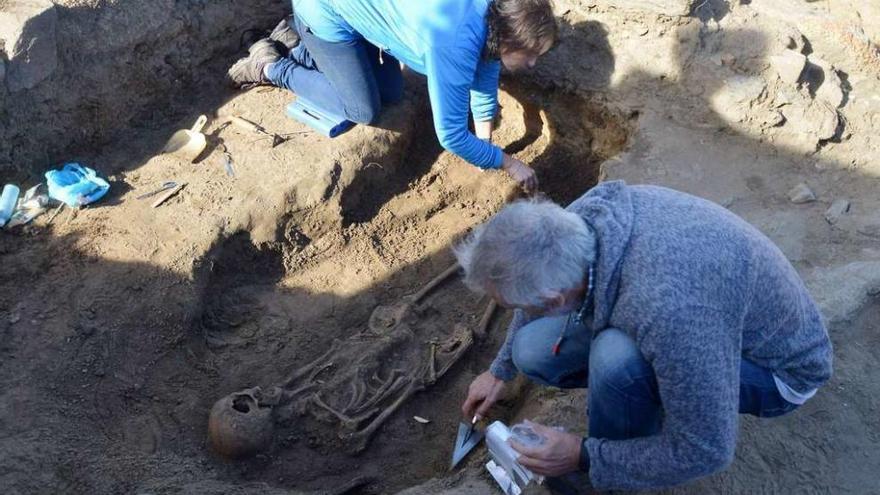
x: 442, y: 39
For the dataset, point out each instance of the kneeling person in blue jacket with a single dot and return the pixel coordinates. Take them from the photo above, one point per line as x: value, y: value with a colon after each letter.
x: 676, y: 314
x: 345, y: 55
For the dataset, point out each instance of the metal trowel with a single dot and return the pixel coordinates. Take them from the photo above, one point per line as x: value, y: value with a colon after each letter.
x: 468, y: 438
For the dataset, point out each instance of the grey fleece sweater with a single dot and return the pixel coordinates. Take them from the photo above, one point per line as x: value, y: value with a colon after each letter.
x: 698, y: 289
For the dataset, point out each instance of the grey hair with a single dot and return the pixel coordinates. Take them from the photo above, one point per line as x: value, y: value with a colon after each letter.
x: 528, y: 252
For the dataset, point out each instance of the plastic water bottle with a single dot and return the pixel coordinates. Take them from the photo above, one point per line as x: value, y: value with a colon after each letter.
x: 8, y: 200
x: 525, y: 435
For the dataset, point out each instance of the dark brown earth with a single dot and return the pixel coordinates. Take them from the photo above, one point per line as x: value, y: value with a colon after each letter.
x: 121, y: 325
x: 128, y: 357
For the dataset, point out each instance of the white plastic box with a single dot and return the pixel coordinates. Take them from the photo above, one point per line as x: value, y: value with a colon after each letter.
x: 511, y: 477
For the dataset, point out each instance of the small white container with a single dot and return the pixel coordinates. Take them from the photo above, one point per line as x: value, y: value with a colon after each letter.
x: 8, y: 200
x: 504, y: 457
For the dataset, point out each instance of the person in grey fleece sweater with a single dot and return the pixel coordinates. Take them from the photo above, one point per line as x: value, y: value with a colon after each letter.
x: 674, y: 312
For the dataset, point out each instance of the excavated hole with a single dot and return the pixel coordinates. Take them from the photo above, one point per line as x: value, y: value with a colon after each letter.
x: 269, y: 310
x: 562, y: 135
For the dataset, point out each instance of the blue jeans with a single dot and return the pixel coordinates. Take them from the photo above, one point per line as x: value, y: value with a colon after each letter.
x: 348, y: 78
x: 624, y: 401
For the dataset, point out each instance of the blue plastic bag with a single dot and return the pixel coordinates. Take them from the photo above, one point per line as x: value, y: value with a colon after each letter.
x: 75, y: 185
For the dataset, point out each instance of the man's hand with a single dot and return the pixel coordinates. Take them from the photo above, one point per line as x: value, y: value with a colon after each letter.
x: 484, y: 391
x: 559, y: 455
x: 521, y: 173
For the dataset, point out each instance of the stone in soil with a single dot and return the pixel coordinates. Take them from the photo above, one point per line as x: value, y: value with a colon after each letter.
x: 789, y: 65
x: 801, y: 193
x: 837, y: 210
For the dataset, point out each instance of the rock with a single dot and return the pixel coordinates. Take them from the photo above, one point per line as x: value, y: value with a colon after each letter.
x: 830, y: 87
x: 663, y: 7
x: 816, y: 120
x: 826, y: 121
x: 784, y: 35
x: 789, y: 65
x: 837, y: 209
x: 786, y: 96
x: 28, y: 29
x: 771, y: 118
x: 800, y: 194
x: 736, y: 97
x: 2, y: 70
x: 831, y: 93
x: 745, y: 89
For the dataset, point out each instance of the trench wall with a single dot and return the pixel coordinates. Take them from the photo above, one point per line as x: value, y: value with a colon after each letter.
x: 74, y: 71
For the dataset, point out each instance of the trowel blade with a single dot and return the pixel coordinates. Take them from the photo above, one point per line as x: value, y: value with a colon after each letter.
x: 463, y: 443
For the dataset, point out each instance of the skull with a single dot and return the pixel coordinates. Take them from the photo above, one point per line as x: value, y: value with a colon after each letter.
x: 240, y: 424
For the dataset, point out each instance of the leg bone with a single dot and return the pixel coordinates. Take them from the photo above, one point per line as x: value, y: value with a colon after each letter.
x: 433, y: 283
x: 483, y: 327
x: 361, y: 437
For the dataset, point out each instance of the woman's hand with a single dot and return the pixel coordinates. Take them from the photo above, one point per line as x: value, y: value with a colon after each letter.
x: 521, y: 173
x: 484, y: 391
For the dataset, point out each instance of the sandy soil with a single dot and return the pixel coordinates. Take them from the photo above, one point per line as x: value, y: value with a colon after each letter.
x: 123, y: 324
x: 137, y: 319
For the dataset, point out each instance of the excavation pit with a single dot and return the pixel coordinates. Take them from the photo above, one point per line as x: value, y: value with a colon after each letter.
x: 330, y: 311
x: 144, y: 318
x: 122, y: 325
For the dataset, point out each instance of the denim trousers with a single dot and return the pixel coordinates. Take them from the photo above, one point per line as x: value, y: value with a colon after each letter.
x: 623, y: 398
x: 350, y: 78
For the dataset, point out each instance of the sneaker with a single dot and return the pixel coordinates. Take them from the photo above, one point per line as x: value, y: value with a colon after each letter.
x: 285, y: 34
x: 249, y: 70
